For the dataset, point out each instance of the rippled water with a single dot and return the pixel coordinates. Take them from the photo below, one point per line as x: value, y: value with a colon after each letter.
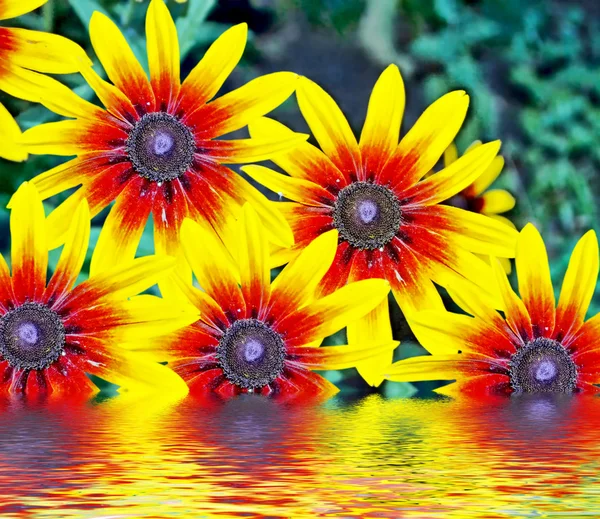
x: 253, y: 457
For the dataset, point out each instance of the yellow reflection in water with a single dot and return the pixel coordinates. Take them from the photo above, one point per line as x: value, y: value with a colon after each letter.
x: 252, y: 457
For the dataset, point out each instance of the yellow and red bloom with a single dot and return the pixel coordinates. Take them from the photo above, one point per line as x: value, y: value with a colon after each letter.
x: 52, y: 334
x: 391, y: 223
x: 534, y: 348
x: 154, y: 148
x: 258, y: 336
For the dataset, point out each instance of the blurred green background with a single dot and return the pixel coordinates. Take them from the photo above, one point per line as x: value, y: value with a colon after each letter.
x: 532, y: 69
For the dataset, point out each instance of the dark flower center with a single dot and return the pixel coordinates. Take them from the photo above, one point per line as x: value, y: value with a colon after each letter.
x: 31, y: 336
x: 251, y: 354
x: 367, y: 215
x: 160, y: 147
x: 543, y: 366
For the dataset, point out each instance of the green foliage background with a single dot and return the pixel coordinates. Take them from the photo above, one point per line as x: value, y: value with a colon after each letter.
x: 532, y: 68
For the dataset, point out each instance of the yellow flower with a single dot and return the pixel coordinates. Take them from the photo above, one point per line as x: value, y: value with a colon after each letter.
x: 534, y: 347
x: 21, y: 52
x: 255, y: 335
x: 155, y: 148
x: 390, y: 220
x: 52, y: 334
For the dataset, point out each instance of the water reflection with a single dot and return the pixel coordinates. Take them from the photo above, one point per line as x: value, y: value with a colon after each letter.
x: 253, y: 457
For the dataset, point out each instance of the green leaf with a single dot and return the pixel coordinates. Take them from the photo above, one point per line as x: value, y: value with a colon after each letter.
x: 189, y: 27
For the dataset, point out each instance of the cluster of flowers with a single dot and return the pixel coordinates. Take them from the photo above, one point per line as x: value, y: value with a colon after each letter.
x: 363, y: 217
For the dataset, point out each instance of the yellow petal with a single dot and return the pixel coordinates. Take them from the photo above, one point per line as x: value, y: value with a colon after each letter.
x: 59, y: 98
x: 118, y: 60
x: 431, y: 135
x: 450, y: 155
x: 59, y: 138
x: 478, y: 233
x: 454, y: 178
x: 163, y: 52
x: 328, y: 315
x: 29, y: 250
x: 45, y: 52
x: 139, y: 375
x: 14, y: 8
x: 253, y: 261
x: 304, y: 161
x: 371, y: 331
x: 433, y: 367
x: 250, y: 150
x: 535, y: 283
x: 488, y: 176
x: 344, y: 357
x: 328, y: 124
x: 381, y: 131
x: 295, y: 189
x: 149, y: 317
x: 205, y: 80
x: 441, y: 332
x: 10, y: 135
x: 122, y: 230
x: 236, y: 109
x: 274, y: 222
x: 578, y: 286
x: 497, y: 201
x: 131, y: 278
x: 295, y: 285
x: 73, y: 253
x: 515, y: 312
x: 211, y: 263
x: 59, y: 179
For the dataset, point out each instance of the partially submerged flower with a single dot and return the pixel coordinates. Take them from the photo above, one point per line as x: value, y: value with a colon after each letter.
x: 155, y: 149
x: 533, y: 347
x: 258, y: 336
x: 53, y: 334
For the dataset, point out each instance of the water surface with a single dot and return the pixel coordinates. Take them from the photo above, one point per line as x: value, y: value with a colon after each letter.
x: 252, y: 457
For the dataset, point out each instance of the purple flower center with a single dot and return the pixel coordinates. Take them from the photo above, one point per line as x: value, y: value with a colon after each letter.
x: 367, y: 215
x: 251, y: 354
x: 31, y: 336
x: 543, y: 366
x: 160, y: 147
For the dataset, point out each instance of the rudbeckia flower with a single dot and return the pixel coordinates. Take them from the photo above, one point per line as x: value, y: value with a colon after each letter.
x: 391, y: 224
x: 533, y: 347
x: 258, y: 336
x: 52, y: 334
x: 21, y: 52
x: 154, y: 149
x: 477, y: 198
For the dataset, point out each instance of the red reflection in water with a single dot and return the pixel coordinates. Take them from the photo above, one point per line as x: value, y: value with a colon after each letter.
x: 253, y: 457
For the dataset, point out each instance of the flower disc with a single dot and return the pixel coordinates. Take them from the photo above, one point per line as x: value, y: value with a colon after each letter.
x: 31, y: 336
x: 251, y: 354
x: 367, y: 215
x: 543, y: 366
x: 160, y: 147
